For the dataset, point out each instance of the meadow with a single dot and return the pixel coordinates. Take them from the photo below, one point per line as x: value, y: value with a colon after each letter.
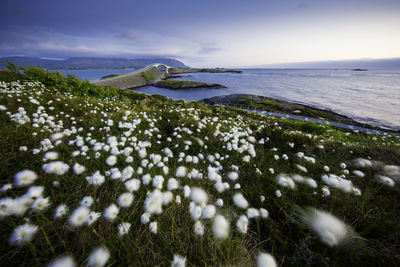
x: 107, y: 177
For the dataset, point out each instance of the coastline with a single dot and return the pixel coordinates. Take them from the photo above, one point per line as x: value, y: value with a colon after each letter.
x: 268, y: 104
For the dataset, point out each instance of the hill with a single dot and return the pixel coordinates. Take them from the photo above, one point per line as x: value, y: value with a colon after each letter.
x: 96, y: 175
x: 89, y: 62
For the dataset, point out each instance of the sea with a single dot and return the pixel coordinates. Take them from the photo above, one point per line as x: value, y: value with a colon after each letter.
x: 371, y: 96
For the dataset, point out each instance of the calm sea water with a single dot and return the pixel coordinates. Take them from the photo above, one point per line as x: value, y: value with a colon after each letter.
x: 368, y: 96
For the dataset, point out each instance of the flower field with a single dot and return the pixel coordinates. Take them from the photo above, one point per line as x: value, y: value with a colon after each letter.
x: 141, y: 180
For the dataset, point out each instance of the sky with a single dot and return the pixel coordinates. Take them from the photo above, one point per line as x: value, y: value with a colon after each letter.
x: 203, y: 33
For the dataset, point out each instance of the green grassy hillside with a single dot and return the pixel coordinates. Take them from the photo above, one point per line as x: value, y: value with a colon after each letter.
x: 148, y: 178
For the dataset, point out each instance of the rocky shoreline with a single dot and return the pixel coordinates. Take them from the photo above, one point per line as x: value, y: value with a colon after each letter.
x: 180, y: 84
x: 285, y: 107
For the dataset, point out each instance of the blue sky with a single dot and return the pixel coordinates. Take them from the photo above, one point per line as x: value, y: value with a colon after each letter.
x: 203, y: 32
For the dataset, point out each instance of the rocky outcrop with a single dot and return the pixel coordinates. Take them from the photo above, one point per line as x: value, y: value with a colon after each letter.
x: 194, y: 70
x: 179, y: 85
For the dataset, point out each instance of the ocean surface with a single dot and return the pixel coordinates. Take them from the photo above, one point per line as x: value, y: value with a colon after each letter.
x: 371, y: 96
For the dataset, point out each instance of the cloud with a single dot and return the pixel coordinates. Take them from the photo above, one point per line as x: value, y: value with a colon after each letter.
x: 46, y: 42
x: 130, y: 35
x: 206, y: 50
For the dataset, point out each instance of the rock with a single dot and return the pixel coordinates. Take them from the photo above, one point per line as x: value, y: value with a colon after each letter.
x: 179, y: 85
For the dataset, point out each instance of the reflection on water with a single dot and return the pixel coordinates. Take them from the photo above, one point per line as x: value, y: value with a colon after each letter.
x: 369, y: 96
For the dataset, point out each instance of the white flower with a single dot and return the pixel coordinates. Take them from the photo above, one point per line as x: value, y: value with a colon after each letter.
x: 126, y: 173
x: 23, y: 234
x: 60, y: 211
x: 221, y: 227
x: 51, y: 155
x: 35, y: 191
x: 132, y: 185
x: 40, y: 203
x: 2, y: 107
x: 64, y: 261
x: 358, y: 173
x: 343, y: 165
x: 95, y: 179
x: 311, y: 182
x: 167, y: 197
x: 115, y: 174
x: 325, y: 191
x: 181, y: 171
x: 56, y: 167
x: 186, y: 191
x: 278, y: 193
x: 384, y: 180
x: 178, y: 200
x: 142, y: 153
x: 87, y: 201
x: 242, y: 223
x: 233, y: 176
x: 24, y: 178
x: 285, y: 181
x: 111, y: 212
x: 252, y: 213
x: 246, y: 158
x: 123, y: 228
x: 301, y: 168
x: 6, y: 187
x: 158, y: 181
x: 125, y: 200
x: 98, y: 257
x: 240, y: 201
x: 199, y: 196
x: 326, y: 168
x: 195, y: 212
x: 111, y: 160
x: 330, y: 229
x: 172, y: 184
x: 93, y: 216
x: 78, y: 169
x: 264, y: 213
x: 198, y: 228
x: 145, y: 218
x: 56, y: 136
x: 266, y: 260
x: 219, y: 202
x: 208, y: 212
x: 153, y: 202
x: 79, y: 216
x: 178, y: 261
x: 153, y: 227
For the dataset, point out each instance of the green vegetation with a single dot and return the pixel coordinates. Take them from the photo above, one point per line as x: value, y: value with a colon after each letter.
x: 98, y: 122
x: 111, y: 76
x: 147, y: 77
x: 181, y: 84
x: 264, y: 103
x: 55, y: 79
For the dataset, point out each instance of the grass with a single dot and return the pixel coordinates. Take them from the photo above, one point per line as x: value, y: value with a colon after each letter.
x: 374, y: 215
x: 147, y: 77
x: 111, y: 75
x: 291, y: 108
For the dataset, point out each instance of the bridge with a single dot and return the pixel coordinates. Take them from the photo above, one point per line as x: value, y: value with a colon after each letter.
x: 142, y: 77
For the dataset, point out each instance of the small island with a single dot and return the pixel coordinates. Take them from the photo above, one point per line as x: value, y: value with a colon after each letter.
x: 179, y: 84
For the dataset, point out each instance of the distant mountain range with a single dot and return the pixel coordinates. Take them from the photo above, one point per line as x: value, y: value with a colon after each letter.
x: 89, y: 62
x: 390, y: 63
